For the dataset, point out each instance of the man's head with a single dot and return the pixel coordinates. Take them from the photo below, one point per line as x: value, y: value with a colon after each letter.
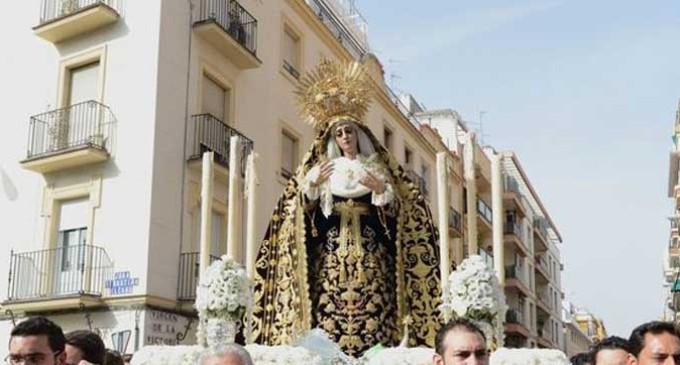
x: 113, y: 358
x: 655, y: 343
x: 37, y: 340
x: 611, y: 351
x: 460, y: 342
x: 231, y: 354
x: 84, y: 345
x: 580, y: 359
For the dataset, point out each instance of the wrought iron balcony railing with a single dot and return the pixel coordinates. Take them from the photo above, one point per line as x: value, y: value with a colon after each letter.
x: 86, y: 124
x: 189, y: 273
x: 58, y: 272
x: 211, y: 134
x: 336, y: 26
x: 51, y: 10
x: 232, y: 18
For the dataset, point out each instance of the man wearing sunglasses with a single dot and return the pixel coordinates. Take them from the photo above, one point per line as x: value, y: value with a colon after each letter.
x: 36, y: 341
x: 460, y: 342
x: 655, y: 343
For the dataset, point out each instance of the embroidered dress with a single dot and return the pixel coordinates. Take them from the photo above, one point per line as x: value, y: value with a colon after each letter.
x: 339, y: 256
x: 351, y: 257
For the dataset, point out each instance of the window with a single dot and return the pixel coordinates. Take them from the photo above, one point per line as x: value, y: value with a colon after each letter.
x: 408, y: 157
x: 70, y: 250
x: 83, y: 83
x: 487, y: 256
x: 289, y: 154
x: 425, y: 174
x: 215, y: 99
x: 387, y: 138
x: 218, y: 238
x: 291, y: 52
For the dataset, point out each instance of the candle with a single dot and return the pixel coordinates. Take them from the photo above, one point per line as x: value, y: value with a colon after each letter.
x: 206, y: 210
x: 443, y: 214
x: 232, y: 230
x: 251, y: 245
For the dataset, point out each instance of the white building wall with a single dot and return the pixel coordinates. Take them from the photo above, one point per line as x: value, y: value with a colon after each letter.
x: 121, y: 224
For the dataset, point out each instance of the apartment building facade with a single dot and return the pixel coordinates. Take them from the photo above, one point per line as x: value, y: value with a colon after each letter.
x: 671, y: 261
x: 114, y: 105
x: 576, y: 340
x: 532, y: 263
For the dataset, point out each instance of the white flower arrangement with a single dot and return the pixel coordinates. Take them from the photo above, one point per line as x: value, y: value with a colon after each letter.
x: 223, y: 296
x: 475, y: 293
x: 504, y: 356
x: 282, y: 355
x: 224, y: 290
x: 167, y: 355
x: 402, y: 356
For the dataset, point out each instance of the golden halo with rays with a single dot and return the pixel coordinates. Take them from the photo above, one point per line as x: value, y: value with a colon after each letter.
x: 334, y: 91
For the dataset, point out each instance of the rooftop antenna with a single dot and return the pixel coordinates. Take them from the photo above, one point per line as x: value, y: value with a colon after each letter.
x: 481, y: 128
x: 393, y: 74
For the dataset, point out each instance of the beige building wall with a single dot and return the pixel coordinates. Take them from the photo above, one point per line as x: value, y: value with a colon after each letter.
x: 143, y: 199
x: 533, y: 264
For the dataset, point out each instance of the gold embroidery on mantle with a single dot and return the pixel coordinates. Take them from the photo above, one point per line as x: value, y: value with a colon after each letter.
x: 282, y: 292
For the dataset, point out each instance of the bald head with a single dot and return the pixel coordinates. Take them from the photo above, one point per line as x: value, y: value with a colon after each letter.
x: 231, y: 354
x: 228, y: 359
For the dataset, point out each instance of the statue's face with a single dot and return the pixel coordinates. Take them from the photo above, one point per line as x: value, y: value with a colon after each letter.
x: 346, y: 139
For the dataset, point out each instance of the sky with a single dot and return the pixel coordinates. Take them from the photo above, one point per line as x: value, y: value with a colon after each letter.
x: 585, y: 92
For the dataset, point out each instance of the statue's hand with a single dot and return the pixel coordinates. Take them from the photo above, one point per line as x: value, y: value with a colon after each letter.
x: 325, y: 171
x: 372, y: 182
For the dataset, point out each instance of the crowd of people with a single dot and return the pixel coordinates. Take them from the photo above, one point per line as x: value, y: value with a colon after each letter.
x: 39, y: 341
x: 653, y: 343
x: 650, y: 343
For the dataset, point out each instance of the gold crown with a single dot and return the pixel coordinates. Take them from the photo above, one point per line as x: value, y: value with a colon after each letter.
x: 334, y: 91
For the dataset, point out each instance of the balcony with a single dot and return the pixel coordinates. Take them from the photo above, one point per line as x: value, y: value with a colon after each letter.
x: 418, y: 181
x: 485, y: 212
x: 514, y: 232
x: 211, y: 134
x: 542, y: 268
x: 64, y: 19
x: 189, y: 273
x: 455, y: 223
x: 228, y: 27
x: 544, y: 338
x: 515, y: 277
x: 69, y: 137
x: 544, y: 301
x: 350, y: 31
x: 514, y: 323
x: 541, y: 232
x: 63, y: 277
x: 513, y: 199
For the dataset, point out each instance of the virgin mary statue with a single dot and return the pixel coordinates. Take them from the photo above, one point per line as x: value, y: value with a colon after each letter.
x: 351, y: 247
